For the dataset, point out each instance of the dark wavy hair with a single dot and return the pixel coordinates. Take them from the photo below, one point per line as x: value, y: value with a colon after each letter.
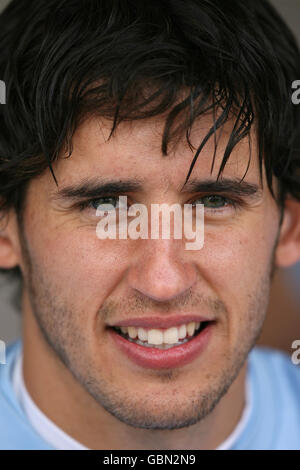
x: 63, y: 60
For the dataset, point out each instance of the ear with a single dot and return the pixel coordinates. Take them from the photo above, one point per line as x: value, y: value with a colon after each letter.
x: 9, y: 253
x: 288, y: 248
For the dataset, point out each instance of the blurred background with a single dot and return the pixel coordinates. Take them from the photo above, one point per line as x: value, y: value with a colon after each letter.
x: 282, y: 325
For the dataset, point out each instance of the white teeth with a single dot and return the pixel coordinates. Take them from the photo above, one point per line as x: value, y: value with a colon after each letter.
x: 142, y: 334
x: 182, y: 332
x: 191, y: 328
x: 171, y: 335
x: 132, y: 332
x: 155, y: 337
x: 165, y: 338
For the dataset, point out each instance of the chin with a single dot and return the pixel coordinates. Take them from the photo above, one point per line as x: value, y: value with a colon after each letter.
x: 160, y: 420
x: 167, y: 412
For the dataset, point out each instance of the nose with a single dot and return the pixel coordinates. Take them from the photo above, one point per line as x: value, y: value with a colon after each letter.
x: 160, y: 272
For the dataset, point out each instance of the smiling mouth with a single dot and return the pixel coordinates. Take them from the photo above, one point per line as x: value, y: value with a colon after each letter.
x: 162, y: 338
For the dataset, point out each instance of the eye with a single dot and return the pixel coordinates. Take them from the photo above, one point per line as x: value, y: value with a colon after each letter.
x: 215, y: 202
x: 104, y: 204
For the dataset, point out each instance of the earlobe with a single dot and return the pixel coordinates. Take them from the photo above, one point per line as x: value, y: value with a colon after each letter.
x: 8, y: 252
x: 288, y: 248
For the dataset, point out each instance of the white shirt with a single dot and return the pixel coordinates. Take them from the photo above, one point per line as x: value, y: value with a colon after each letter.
x: 56, y: 437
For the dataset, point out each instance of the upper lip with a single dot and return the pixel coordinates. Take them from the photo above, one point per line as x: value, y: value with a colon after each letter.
x: 161, y: 322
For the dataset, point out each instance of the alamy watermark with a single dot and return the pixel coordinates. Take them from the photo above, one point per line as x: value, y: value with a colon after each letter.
x: 296, y: 93
x: 2, y: 352
x: 2, y: 92
x: 187, y: 223
x: 296, y: 354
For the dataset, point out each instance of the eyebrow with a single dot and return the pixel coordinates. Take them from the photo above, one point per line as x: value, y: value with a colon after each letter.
x: 94, y: 188
x: 233, y: 186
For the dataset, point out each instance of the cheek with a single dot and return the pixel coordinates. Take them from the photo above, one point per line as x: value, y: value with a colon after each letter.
x: 236, y: 259
x: 80, y: 264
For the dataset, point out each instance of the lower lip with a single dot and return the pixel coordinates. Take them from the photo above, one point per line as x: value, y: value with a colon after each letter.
x: 163, y: 358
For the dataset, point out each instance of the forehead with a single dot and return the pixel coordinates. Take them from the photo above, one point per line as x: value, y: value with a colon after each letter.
x: 135, y: 150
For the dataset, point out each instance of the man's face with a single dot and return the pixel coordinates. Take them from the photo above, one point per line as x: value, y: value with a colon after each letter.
x: 79, y: 285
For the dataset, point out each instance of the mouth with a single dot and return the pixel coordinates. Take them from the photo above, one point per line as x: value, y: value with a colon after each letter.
x: 162, y: 347
x: 161, y: 338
